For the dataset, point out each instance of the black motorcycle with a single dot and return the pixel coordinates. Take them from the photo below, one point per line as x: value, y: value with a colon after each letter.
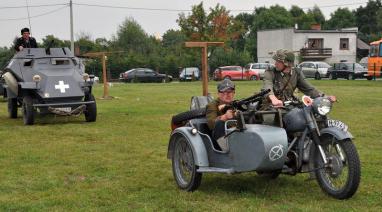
x: 319, y: 145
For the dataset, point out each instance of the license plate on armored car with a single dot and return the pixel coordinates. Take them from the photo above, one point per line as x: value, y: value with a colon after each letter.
x: 65, y: 109
x: 338, y: 124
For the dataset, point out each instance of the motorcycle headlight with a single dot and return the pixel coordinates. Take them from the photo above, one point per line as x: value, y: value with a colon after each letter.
x: 322, y: 105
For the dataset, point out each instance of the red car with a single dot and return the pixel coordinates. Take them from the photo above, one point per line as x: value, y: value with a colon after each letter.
x: 235, y: 73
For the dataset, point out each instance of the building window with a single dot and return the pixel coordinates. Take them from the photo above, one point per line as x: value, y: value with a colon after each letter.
x: 315, y: 43
x: 344, y: 43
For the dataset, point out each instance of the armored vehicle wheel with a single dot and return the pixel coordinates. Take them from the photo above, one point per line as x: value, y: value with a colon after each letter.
x: 185, y: 116
x: 91, y: 109
x: 340, y: 178
x: 12, y: 108
x: 28, y: 110
x: 183, y: 166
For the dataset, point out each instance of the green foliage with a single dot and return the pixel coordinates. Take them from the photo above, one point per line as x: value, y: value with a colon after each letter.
x: 54, y: 42
x: 368, y: 22
x: 5, y: 56
x: 341, y: 18
x: 215, y: 24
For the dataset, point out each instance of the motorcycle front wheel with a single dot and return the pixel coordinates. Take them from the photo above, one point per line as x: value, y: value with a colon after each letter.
x: 340, y: 177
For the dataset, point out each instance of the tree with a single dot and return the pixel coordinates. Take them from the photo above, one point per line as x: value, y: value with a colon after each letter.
x: 54, y: 42
x: 341, y: 18
x: 303, y: 20
x: 132, y: 38
x: 367, y: 21
x: 195, y: 25
x: 273, y: 18
x: 317, y: 15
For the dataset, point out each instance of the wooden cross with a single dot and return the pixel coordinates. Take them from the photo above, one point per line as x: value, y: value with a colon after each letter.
x: 204, y: 46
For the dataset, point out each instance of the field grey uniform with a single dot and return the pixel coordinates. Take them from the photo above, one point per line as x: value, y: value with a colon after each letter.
x: 283, y: 85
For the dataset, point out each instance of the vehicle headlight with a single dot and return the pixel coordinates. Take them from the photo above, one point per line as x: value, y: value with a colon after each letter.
x: 36, y: 78
x: 85, y: 76
x: 322, y: 105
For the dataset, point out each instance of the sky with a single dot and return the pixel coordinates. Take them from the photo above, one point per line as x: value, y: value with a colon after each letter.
x: 103, y: 22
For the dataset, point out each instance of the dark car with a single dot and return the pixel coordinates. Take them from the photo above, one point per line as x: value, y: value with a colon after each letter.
x: 144, y: 75
x: 347, y: 71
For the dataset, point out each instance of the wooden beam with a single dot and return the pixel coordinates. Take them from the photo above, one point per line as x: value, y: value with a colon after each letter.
x: 204, y: 46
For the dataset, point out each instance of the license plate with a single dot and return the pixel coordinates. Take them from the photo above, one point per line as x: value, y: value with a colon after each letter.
x: 338, y: 124
x: 65, y: 109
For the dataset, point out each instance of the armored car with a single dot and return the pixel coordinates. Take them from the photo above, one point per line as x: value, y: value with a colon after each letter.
x: 48, y: 81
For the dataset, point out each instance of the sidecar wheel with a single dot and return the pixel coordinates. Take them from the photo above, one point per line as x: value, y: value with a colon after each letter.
x: 340, y: 178
x: 183, y: 166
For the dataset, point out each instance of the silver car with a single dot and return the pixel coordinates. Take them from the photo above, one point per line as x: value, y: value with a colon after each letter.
x: 316, y: 70
x: 258, y: 67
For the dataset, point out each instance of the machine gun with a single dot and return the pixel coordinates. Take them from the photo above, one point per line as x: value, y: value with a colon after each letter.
x: 241, y: 104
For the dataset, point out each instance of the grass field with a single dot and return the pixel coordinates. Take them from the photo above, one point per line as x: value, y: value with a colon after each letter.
x: 119, y: 162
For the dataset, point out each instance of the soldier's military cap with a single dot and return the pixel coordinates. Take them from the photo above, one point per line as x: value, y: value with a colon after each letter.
x: 284, y: 55
x: 226, y: 85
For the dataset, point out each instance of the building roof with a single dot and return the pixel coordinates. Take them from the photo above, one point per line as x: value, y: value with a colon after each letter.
x: 346, y: 30
x: 362, y: 45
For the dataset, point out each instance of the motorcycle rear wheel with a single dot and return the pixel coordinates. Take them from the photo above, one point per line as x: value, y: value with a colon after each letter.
x: 339, y: 178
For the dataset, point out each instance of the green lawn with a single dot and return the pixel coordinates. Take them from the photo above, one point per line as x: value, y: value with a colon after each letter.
x: 120, y: 163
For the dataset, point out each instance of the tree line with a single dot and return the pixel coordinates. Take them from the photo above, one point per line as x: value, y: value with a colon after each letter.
x: 133, y: 47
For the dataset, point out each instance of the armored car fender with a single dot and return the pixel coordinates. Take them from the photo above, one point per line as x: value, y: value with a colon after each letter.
x: 194, y: 140
x: 11, y: 85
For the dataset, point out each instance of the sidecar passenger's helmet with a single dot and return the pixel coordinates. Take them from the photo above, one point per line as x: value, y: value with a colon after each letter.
x: 285, y: 56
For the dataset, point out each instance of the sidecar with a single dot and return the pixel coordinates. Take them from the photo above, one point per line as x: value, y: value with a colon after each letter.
x: 48, y: 81
x: 192, y: 150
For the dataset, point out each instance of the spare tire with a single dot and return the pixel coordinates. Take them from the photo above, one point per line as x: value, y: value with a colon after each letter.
x: 188, y: 115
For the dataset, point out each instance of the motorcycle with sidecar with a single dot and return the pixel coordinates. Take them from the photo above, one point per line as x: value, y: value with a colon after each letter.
x: 300, y: 139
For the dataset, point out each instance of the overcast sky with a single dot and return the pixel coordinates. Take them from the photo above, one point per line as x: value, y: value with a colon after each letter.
x: 104, y: 21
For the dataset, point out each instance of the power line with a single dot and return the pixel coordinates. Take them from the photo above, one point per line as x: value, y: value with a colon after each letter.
x: 42, y: 14
x: 41, y: 5
x: 184, y: 10
x: 337, y: 5
x: 133, y: 8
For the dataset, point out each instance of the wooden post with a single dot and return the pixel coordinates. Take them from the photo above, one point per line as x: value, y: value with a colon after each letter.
x: 102, y: 55
x: 204, y: 46
x: 104, y: 76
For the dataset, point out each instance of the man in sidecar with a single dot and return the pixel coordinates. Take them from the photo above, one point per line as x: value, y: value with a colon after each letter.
x: 216, y: 117
x: 283, y: 79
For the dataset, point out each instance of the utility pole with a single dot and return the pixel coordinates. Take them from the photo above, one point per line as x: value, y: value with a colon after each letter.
x: 204, y: 46
x: 71, y: 27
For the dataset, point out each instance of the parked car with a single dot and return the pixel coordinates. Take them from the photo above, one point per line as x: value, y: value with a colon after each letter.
x: 235, y: 73
x: 316, y: 70
x: 189, y: 73
x: 258, y: 67
x: 143, y: 75
x: 347, y: 71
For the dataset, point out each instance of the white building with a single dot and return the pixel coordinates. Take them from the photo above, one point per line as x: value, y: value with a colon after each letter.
x: 330, y: 46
